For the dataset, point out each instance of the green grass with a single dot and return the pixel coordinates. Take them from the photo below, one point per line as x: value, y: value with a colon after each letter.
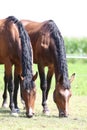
x: 77, y: 119
x: 78, y: 86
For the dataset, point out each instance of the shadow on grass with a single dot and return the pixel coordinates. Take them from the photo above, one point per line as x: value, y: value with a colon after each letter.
x: 4, y: 111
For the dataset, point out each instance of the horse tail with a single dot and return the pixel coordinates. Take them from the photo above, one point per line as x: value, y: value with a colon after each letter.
x: 27, y: 56
x: 60, y: 52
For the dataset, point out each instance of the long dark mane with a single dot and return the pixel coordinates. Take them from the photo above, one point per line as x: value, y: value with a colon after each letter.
x: 27, y: 57
x: 60, y: 53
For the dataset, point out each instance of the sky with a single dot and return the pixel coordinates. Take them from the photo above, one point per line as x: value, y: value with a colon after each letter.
x: 69, y: 15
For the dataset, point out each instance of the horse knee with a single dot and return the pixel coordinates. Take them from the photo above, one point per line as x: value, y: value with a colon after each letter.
x: 43, y: 87
x: 10, y: 89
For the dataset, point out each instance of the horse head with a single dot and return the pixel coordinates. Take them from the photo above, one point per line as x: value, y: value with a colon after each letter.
x: 62, y: 95
x: 29, y: 95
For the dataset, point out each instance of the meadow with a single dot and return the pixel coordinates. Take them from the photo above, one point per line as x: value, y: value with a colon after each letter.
x: 77, y: 119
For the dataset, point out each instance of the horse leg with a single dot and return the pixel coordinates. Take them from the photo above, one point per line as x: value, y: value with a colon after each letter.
x: 4, y: 104
x: 49, y: 79
x: 16, y: 86
x: 10, y: 90
x: 8, y: 72
x: 43, y: 86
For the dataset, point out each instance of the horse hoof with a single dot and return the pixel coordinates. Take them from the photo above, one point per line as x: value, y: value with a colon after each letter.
x: 15, y: 114
x: 46, y: 112
x: 17, y: 110
x: 4, y: 105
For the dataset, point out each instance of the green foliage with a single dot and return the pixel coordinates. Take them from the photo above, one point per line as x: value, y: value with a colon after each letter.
x: 76, y: 45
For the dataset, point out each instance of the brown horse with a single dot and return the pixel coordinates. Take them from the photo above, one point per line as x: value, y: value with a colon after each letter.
x: 15, y: 49
x: 49, y: 50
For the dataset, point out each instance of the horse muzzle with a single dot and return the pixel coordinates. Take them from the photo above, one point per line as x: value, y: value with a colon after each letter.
x: 63, y: 114
x: 30, y: 113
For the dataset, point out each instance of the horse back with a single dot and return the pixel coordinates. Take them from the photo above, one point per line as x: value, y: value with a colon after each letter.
x: 40, y: 40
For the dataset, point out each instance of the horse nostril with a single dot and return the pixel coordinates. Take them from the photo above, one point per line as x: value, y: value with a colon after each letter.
x: 62, y: 114
x: 66, y: 116
x: 29, y: 115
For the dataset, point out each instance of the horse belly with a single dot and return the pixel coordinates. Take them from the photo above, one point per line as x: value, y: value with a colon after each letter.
x: 46, y: 60
x: 3, y: 60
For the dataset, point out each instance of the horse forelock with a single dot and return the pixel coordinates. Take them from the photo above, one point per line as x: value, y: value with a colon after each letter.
x: 60, y: 52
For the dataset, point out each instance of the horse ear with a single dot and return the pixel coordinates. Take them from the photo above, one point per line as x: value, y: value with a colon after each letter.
x: 35, y: 76
x: 60, y: 78
x: 72, y: 77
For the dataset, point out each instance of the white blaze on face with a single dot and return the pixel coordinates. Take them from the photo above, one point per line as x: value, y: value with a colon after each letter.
x: 30, y: 111
x: 67, y: 93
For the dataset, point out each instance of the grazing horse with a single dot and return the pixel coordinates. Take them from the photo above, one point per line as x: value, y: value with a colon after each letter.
x: 49, y: 50
x: 15, y: 49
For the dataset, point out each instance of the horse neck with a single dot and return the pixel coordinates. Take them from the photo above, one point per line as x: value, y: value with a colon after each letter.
x: 59, y: 52
x: 60, y: 68
x: 59, y: 57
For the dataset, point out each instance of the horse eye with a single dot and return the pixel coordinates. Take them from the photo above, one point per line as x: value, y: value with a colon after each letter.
x: 59, y: 94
